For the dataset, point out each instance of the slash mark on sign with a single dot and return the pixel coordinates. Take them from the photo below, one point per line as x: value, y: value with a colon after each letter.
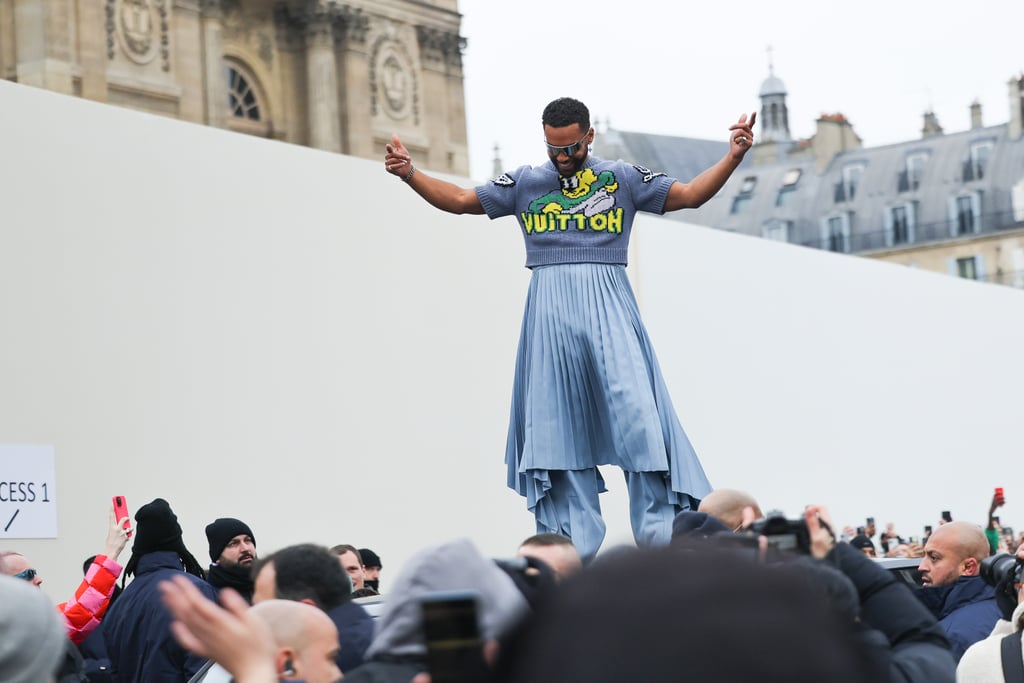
x: 12, y: 519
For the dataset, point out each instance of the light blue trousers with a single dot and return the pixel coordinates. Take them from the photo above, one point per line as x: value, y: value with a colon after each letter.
x: 573, y: 501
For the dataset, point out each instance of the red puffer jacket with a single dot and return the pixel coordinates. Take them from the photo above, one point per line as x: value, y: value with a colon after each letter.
x: 82, y: 614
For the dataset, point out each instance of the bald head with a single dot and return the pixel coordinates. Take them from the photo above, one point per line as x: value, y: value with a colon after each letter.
x: 727, y: 505
x: 306, y: 638
x: 953, y: 550
x: 968, y: 540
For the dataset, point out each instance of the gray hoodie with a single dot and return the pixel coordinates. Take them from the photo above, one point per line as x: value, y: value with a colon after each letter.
x: 453, y: 566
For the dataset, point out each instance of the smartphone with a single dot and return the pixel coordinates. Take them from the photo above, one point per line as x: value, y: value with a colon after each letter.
x: 451, y: 630
x: 928, y: 530
x: 946, y: 516
x: 121, y: 511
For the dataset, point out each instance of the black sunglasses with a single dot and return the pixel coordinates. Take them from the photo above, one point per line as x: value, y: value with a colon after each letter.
x: 27, y: 575
x: 568, y: 150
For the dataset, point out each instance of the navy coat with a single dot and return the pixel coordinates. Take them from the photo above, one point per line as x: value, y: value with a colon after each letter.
x: 966, y: 610
x: 137, y: 628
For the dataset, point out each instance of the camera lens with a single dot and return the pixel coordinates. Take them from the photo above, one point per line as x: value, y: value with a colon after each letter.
x: 1000, y: 569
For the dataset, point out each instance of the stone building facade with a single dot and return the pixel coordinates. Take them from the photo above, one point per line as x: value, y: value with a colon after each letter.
x: 337, y: 76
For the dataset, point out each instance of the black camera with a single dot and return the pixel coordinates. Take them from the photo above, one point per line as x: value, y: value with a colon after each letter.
x: 785, y: 536
x: 1003, y: 571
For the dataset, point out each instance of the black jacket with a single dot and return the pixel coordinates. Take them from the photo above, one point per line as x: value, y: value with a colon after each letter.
x: 902, y: 635
x: 137, y: 628
x: 355, y: 631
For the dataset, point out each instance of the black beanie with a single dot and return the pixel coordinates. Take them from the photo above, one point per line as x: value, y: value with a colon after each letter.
x: 156, y: 528
x: 861, y: 541
x: 370, y: 558
x: 220, y: 531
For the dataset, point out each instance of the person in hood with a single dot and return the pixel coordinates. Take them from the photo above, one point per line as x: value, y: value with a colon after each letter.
x: 398, y: 651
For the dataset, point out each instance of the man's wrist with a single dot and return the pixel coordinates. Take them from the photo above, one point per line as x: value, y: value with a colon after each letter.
x: 412, y: 171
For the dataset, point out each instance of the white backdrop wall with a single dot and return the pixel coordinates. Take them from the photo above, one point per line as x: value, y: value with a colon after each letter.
x: 252, y: 329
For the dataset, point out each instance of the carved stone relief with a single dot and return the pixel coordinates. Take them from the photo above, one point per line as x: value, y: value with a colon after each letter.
x: 142, y: 29
x: 393, y: 83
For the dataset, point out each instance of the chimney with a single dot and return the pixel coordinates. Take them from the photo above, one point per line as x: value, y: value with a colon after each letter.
x: 1016, y: 106
x: 834, y: 134
x: 976, y: 115
x: 931, y: 125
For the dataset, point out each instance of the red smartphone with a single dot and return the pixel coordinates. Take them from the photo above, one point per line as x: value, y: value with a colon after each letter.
x: 999, y: 492
x: 121, y: 511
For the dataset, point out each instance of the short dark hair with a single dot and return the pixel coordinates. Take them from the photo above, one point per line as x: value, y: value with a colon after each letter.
x: 343, y: 548
x: 547, y: 539
x: 308, y: 572
x: 566, y: 111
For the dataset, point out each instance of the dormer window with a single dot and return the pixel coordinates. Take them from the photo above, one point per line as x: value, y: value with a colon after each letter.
x: 742, y: 200
x: 977, y: 165
x: 740, y: 203
x: 910, y: 177
x: 846, y: 189
x: 788, y: 189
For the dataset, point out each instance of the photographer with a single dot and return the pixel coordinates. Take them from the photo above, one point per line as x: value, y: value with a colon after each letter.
x: 903, y: 637
x: 987, y: 661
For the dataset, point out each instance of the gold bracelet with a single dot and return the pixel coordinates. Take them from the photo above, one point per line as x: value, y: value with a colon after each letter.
x: 407, y: 178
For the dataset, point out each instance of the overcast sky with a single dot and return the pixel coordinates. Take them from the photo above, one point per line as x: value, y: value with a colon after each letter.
x: 690, y: 69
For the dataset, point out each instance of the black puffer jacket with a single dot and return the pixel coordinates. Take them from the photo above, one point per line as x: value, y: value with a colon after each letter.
x: 903, y: 636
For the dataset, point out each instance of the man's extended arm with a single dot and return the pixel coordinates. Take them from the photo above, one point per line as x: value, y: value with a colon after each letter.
x: 439, y: 193
x: 702, y: 188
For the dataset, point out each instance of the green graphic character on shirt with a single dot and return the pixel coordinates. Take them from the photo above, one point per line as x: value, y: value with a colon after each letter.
x: 584, y: 192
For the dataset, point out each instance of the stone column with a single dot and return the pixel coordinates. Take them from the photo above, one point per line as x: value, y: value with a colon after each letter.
x: 441, y: 57
x: 322, y: 83
x: 43, y: 49
x: 214, y: 82
x: 291, y: 122
x: 92, y: 49
x: 189, y: 68
x: 357, y: 131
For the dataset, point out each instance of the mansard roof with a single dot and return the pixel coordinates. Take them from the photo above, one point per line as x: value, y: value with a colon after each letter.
x: 760, y: 196
x: 682, y: 158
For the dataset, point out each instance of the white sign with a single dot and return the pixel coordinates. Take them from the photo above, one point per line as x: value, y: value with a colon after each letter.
x: 28, y: 492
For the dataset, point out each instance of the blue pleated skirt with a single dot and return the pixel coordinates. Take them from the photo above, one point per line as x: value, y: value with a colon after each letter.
x: 588, y: 390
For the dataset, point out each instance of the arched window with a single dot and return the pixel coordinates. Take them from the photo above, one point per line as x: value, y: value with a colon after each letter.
x: 242, y: 101
x: 247, y: 109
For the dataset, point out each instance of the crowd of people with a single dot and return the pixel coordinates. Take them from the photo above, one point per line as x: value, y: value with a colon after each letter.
x: 723, y: 601
x: 715, y: 590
